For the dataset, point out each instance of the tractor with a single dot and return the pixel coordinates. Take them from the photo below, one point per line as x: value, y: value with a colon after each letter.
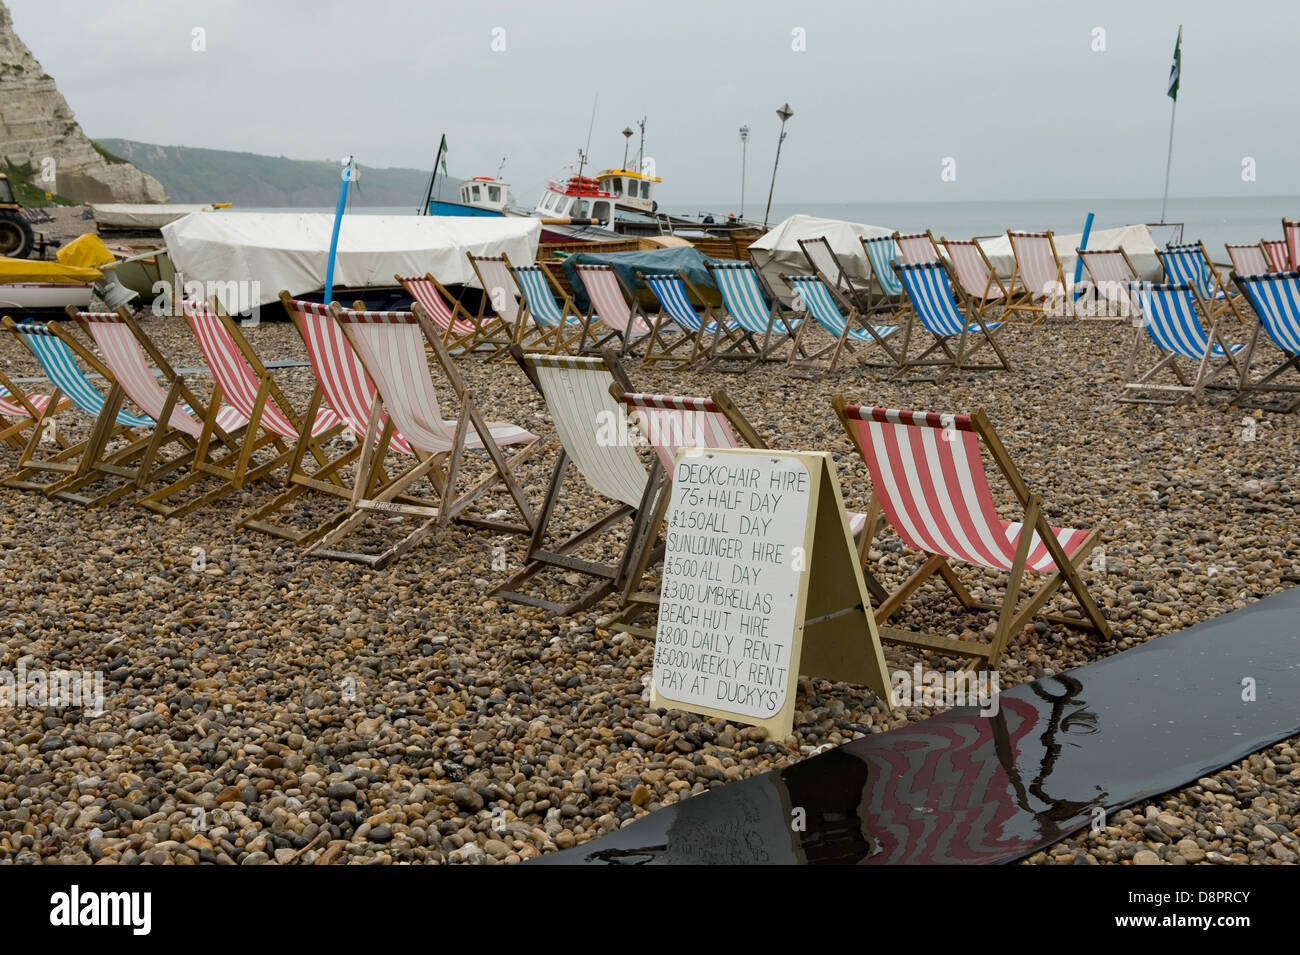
x: 16, y: 236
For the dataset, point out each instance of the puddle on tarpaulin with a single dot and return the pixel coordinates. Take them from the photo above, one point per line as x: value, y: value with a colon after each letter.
x: 966, y: 788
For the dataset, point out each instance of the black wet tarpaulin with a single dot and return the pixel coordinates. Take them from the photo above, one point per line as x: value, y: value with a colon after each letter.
x: 963, y: 787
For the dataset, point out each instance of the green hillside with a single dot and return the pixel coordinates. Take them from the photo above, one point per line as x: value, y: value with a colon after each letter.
x: 249, y: 180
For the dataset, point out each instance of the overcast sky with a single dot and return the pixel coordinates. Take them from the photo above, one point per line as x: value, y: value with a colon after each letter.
x: 883, y: 92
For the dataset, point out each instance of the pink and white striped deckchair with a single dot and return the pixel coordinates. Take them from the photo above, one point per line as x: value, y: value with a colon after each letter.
x: 610, y: 306
x: 1038, y: 269
x: 1291, y: 231
x: 1279, y: 256
x: 460, y: 328
x: 20, y: 411
x: 1248, y: 259
x: 244, y: 383
x: 391, y: 347
x: 929, y: 479
x: 916, y: 248
x: 975, y: 275
x: 501, y: 294
x: 1112, y: 274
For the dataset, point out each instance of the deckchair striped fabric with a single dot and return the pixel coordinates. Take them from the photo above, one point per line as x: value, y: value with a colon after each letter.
x: 916, y: 248
x: 435, y: 306
x: 1169, y: 313
x: 608, y: 301
x: 577, y: 395
x: 1112, y: 275
x: 882, y: 253
x: 1248, y: 259
x: 1291, y: 230
x: 973, y: 273
x: 391, y: 344
x: 743, y: 297
x: 826, y: 263
x: 61, y: 368
x: 129, y: 365
x: 1187, y: 265
x: 338, y: 371
x: 1278, y: 255
x: 931, y: 295
x: 238, y: 382
x: 813, y: 293
x: 670, y: 292
x: 541, y: 302
x: 11, y: 409
x: 1276, y: 300
x: 498, y: 285
x: 929, y: 476
x: 1037, y: 263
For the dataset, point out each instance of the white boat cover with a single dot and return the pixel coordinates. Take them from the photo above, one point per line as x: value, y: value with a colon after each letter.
x: 778, y: 252
x: 133, y: 215
x: 1134, y: 239
x: 279, y: 250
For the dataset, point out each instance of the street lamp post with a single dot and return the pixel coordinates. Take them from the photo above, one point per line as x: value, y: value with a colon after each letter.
x: 627, y: 141
x: 785, y: 112
x: 744, y: 151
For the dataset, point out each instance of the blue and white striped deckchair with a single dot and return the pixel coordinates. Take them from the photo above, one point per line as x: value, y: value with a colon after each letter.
x: 73, y: 463
x: 933, y: 304
x: 675, y: 294
x: 746, y: 305
x: 560, y: 325
x: 1190, y: 264
x: 1276, y: 300
x: 1170, y: 319
x: 833, y: 312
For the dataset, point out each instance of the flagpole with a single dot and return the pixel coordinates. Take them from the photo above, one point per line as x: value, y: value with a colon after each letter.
x: 1175, y: 77
x: 1169, y: 159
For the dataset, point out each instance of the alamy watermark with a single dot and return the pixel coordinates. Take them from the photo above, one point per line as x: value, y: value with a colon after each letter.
x: 921, y: 687
x: 57, y: 689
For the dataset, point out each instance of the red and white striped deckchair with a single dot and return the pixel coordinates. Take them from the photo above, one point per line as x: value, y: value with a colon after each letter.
x: 127, y: 353
x: 612, y: 305
x: 1279, y: 256
x: 917, y: 248
x: 1248, y: 259
x: 1038, y: 269
x: 391, y: 347
x: 460, y: 328
x: 501, y: 294
x: 929, y: 479
x: 241, y: 381
x: 20, y: 411
x: 976, y: 276
x: 1291, y: 232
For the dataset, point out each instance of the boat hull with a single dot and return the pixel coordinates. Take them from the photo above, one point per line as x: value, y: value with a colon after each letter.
x: 437, y: 207
x: 54, y: 295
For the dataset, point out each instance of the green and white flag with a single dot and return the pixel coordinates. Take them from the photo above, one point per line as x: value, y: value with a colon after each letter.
x: 1176, y: 67
x: 442, y: 151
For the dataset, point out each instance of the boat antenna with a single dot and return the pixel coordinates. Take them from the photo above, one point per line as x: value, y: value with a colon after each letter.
x: 501, y: 168
x: 590, y: 127
x: 640, y: 159
x: 433, y: 176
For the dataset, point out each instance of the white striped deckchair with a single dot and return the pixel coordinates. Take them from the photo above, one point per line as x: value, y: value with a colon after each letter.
x: 764, y: 328
x: 1112, y: 275
x: 57, y: 355
x: 1248, y: 259
x: 273, y: 431
x: 1278, y: 254
x: 613, y: 306
x: 976, y: 276
x: 831, y: 310
x: 677, y: 295
x: 1276, y: 300
x: 593, y: 439
x: 1169, y: 317
x: 501, y: 295
x: 886, y: 291
x: 1190, y: 264
x: 827, y: 264
x: 20, y: 411
x: 928, y: 478
x: 460, y: 328
x: 933, y: 304
x: 1291, y: 231
x: 559, y: 323
x: 1038, y: 269
x: 391, y: 349
x: 917, y: 248
x: 131, y: 357
x: 673, y: 422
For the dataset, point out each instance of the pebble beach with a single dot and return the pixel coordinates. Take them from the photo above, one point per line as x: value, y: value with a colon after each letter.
x: 265, y: 708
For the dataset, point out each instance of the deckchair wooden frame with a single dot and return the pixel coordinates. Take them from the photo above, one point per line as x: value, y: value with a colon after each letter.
x: 440, y: 468
x: 694, y: 337
x: 20, y: 411
x: 514, y: 328
x: 1291, y: 234
x: 746, y: 348
x: 1091, y: 256
x: 626, y: 337
x: 1278, y: 254
x: 846, y: 345
x: 951, y: 361
x: 1268, y: 384
x: 239, y: 467
x: 1134, y: 390
x: 986, y: 654
x: 489, y: 332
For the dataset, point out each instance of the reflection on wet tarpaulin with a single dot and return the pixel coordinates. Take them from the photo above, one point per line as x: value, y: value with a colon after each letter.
x: 962, y: 788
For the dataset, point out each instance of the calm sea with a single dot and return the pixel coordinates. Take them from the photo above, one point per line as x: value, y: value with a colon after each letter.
x: 1213, y: 220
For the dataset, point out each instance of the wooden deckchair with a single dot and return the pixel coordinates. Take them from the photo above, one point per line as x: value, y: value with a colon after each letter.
x: 1279, y: 256
x: 827, y: 265
x: 886, y: 291
x: 461, y: 330
x: 1170, y: 319
x: 20, y: 411
x: 1291, y: 232
x: 613, y: 306
x: 765, y: 329
x: 1039, y: 271
x: 1112, y: 275
x: 697, y: 331
x: 1190, y: 264
x: 501, y: 296
x: 595, y: 442
x: 935, y: 307
x: 55, y: 473
x: 928, y: 479
x: 391, y: 349
x: 558, y: 323
x: 977, y: 278
x: 1276, y: 300
x: 917, y: 248
x: 272, y: 437
x: 835, y: 314
x: 1248, y: 259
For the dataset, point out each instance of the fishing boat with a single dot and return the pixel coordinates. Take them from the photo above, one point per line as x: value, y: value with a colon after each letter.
x: 480, y: 196
x: 33, y: 285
